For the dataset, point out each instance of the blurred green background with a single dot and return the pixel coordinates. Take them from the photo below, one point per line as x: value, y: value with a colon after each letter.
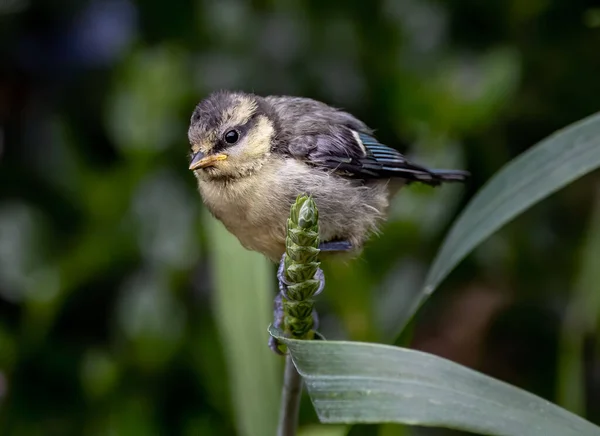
x: 125, y: 309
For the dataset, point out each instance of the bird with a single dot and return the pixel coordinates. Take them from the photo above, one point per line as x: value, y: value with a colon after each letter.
x: 253, y: 155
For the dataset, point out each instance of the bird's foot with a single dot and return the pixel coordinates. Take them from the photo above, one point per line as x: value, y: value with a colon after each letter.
x: 277, y: 321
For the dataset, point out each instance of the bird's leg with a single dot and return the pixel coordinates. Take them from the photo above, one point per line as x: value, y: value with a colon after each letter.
x: 278, y: 302
x: 277, y: 320
x: 278, y: 305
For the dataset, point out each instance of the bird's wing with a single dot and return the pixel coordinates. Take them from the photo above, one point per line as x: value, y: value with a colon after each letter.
x: 356, y: 154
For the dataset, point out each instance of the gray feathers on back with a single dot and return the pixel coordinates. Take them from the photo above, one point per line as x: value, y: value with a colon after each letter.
x: 303, y: 116
x: 305, y: 122
x: 333, y: 139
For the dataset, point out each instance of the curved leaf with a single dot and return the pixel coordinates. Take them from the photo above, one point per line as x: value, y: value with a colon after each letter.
x: 353, y: 382
x: 243, y: 303
x: 545, y: 168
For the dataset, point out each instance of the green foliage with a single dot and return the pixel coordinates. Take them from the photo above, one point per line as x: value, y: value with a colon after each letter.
x: 582, y: 320
x: 528, y: 179
x: 243, y: 308
x: 352, y: 382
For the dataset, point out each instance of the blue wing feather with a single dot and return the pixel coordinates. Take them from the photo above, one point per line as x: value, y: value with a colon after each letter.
x: 387, y: 162
x: 360, y: 155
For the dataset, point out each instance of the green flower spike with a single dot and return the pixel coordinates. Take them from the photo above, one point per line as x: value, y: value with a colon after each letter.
x: 300, y: 267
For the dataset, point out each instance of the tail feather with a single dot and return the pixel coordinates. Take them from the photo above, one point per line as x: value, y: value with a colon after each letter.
x: 451, y: 175
x: 437, y: 177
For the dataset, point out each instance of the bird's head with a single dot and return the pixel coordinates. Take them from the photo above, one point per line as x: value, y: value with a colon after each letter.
x: 231, y: 135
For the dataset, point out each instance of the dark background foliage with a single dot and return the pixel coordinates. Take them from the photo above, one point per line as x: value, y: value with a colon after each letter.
x: 108, y: 322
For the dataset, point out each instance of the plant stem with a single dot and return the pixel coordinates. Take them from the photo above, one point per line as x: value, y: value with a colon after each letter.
x: 290, y: 400
x: 300, y: 279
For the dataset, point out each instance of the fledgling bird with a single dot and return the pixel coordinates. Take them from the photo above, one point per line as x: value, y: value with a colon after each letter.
x: 252, y: 156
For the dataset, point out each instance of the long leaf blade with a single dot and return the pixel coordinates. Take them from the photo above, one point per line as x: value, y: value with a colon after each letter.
x: 353, y: 382
x: 243, y: 303
x: 540, y: 171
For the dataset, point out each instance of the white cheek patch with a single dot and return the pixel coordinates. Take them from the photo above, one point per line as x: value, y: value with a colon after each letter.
x: 258, y: 141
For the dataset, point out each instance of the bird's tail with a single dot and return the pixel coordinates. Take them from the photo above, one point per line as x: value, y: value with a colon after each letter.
x: 437, y: 177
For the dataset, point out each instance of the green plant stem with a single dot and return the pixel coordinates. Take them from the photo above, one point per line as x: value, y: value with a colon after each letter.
x: 290, y: 400
x: 300, y: 266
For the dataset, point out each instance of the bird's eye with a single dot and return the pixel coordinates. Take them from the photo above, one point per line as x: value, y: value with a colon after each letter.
x: 231, y: 137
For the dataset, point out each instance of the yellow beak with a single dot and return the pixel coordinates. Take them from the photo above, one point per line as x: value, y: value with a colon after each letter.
x: 200, y: 160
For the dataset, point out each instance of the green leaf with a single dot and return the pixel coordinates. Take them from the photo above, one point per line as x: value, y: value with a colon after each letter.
x: 580, y: 320
x: 243, y: 302
x: 545, y: 168
x: 353, y: 382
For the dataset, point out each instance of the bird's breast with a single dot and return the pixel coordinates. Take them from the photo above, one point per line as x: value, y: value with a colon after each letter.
x: 252, y: 208
x: 255, y: 208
